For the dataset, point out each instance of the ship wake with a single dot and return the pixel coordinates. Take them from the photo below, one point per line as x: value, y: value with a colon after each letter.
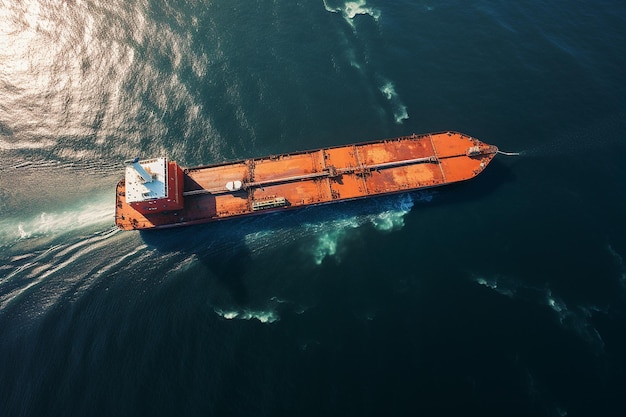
x: 94, y: 213
x: 324, y: 238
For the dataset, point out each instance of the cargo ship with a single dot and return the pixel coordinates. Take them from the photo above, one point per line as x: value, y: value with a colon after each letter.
x: 158, y: 193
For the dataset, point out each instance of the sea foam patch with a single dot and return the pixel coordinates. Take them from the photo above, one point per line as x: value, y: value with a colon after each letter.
x: 386, y: 218
x: 400, y: 112
x: 351, y: 9
x: 245, y: 314
x: 324, y: 236
x: 327, y: 243
x: 393, y: 219
x: 577, y: 319
x: 323, y: 232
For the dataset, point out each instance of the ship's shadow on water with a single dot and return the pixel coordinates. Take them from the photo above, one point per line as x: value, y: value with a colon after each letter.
x: 227, y: 249
x: 220, y: 249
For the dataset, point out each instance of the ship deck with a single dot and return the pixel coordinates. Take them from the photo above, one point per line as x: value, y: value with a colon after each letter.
x: 320, y: 176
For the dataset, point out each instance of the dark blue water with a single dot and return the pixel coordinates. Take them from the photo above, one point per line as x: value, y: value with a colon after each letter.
x: 505, y: 295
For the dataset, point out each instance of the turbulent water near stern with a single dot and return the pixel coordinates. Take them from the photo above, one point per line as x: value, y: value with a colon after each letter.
x: 501, y: 296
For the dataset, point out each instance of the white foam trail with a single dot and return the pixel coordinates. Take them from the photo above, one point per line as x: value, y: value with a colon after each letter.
x: 24, y: 144
x: 97, y: 212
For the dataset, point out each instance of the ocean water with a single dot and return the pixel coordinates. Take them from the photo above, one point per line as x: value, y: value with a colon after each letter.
x: 501, y: 296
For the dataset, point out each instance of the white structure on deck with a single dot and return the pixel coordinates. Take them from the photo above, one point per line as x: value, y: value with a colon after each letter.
x: 146, y: 180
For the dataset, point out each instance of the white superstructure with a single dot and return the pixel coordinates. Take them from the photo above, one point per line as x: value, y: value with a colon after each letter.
x: 146, y: 180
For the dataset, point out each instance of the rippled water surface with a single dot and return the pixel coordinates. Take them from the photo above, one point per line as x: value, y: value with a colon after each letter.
x: 501, y: 296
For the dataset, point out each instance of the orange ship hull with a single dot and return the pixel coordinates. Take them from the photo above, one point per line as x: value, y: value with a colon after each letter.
x: 300, y: 179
